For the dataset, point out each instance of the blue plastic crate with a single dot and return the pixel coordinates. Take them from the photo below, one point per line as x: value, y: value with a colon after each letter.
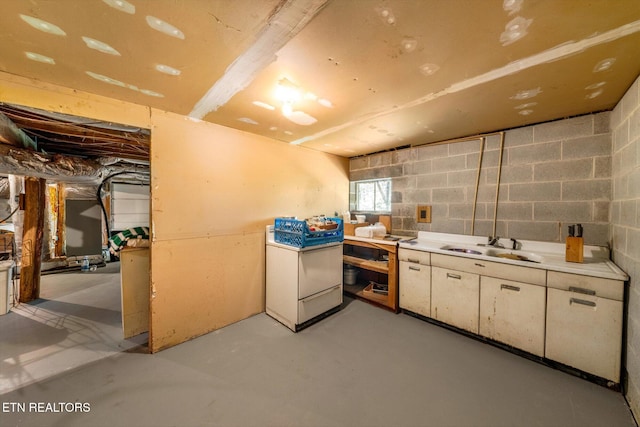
x: 296, y: 233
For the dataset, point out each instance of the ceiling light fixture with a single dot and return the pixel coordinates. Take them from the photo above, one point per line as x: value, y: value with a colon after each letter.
x: 41, y: 25
x: 288, y: 94
x: 100, y: 46
x: 122, y: 6
x: 40, y: 58
x: 164, y: 27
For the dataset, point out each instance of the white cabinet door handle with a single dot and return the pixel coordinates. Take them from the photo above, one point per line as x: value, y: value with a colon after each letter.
x: 411, y: 267
x: 415, y: 261
x: 510, y: 287
x: 582, y: 302
x: 454, y: 276
x: 582, y: 290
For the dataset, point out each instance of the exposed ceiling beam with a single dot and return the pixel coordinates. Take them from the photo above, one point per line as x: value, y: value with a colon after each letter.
x: 287, y: 19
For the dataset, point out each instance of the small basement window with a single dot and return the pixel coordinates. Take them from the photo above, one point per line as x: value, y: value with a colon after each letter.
x: 372, y: 195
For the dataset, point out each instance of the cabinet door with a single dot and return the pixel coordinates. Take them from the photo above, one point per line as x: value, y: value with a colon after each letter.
x: 415, y: 287
x: 585, y: 332
x: 455, y: 298
x: 513, y: 313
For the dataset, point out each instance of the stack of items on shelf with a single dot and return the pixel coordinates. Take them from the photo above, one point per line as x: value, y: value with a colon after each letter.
x: 309, y: 232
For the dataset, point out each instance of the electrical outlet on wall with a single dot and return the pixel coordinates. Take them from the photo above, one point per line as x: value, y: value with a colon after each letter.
x: 423, y: 213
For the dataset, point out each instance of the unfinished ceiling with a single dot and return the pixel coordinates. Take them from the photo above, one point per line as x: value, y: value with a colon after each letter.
x: 77, y: 136
x: 362, y: 75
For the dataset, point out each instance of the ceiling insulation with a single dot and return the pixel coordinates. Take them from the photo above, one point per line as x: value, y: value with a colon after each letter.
x: 77, y: 136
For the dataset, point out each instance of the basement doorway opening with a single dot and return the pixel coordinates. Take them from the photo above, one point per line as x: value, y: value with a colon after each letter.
x: 93, y: 199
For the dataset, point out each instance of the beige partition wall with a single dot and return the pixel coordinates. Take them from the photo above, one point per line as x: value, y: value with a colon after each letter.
x: 213, y: 190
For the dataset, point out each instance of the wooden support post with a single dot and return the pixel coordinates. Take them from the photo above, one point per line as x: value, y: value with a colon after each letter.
x: 60, y: 220
x: 33, y: 231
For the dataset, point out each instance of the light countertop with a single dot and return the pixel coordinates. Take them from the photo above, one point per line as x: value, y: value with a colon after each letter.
x: 387, y: 240
x: 552, y: 255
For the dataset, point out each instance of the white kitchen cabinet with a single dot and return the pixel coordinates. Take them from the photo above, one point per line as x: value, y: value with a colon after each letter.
x: 584, y: 323
x: 415, y: 281
x: 455, y: 297
x: 568, y: 313
x: 513, y: 313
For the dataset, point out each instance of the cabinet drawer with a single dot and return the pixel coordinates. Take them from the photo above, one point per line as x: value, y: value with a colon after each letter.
x: 455, y: 298
x: 500, y: 270
x: 587, y: 285
x: 314, y: 305
x: 416, y: 257
x: 584, y: 332
x: 415, y: 288
x: 513, y: 313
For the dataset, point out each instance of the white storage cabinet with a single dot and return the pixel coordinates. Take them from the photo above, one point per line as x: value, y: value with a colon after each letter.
x: 513, y: 313
x: 584, y: 323
x: 415, y: 281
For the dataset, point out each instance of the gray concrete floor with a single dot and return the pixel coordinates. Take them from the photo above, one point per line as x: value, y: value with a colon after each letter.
x: 362, y: 366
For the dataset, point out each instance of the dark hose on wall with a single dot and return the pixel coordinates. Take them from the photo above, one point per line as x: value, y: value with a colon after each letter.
x: 99, y: 196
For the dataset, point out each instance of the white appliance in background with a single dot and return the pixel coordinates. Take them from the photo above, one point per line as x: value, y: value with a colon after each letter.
x: 303, y: 285
x: 6, y: 286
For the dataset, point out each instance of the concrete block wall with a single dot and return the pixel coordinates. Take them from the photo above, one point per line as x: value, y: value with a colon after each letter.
x: 552, y: 175
x: 625, y: 225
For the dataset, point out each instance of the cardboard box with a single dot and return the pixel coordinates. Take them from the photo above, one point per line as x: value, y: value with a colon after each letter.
x: 350, y: 229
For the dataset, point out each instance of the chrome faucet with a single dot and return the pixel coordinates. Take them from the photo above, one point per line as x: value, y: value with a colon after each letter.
x: 494, y: 241
x: 515, y: 244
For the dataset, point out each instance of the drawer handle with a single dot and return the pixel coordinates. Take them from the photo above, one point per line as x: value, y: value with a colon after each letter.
x: 319, y: 294
x: 415, y: 261
x: 477, y: 264
x: 510, y: 287
x: 582, y: 290
x: 454, y: 276
x: 411, y: 267
x: 582, y: 302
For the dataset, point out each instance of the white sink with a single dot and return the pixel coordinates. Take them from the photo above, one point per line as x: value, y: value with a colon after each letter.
x: 515, y: 255
x: 495, y: 252
x: 466, y: 249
